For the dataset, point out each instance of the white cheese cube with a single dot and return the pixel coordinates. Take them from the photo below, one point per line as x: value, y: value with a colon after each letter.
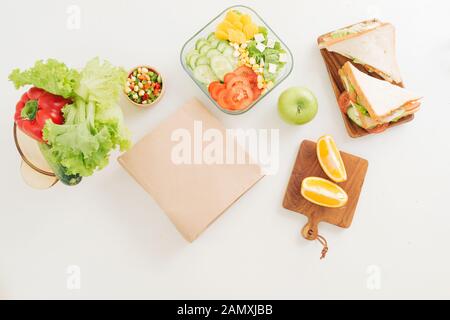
x: 283, y: 57
x: 273, y: 68
x: 270, y: 43
x: 261, y: 47
x: 259, y: 37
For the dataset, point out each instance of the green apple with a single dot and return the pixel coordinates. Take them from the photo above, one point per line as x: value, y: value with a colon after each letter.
x: 297, y: 105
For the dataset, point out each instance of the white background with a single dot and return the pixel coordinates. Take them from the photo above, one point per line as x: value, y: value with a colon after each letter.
x: 125, y: 245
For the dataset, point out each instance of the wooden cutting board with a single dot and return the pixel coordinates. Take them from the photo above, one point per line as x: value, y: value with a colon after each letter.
x: 307, y: 165
x: 334, y: 62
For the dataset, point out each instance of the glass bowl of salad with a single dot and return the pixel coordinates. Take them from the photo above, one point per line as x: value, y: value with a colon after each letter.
x: 236, y: 59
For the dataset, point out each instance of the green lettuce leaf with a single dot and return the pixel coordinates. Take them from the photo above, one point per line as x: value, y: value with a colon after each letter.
x: 94, y: 124
x: 52, y: 76
x: 101, y: 83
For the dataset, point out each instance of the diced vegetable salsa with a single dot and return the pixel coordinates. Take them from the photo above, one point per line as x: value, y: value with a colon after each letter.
x: 238, y: 63
x: 143, y: 86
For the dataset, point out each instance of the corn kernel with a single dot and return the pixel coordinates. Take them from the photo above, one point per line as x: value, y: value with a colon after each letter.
x: 127, y: 90
x: 141, y: 93
x: 136, y: 88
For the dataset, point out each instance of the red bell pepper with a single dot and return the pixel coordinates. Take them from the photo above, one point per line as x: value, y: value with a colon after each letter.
x: 36, y: 107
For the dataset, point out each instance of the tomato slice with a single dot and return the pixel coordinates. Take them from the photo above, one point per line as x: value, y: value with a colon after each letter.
x: 212, y: 85
x: 240, y: 97
x: 344, y: 101
x: 379, y: 129
x: 248, y: 73
x: 228, y: 77
x: 214, y: 89
x: 222, y: 99
x: 238, y: 81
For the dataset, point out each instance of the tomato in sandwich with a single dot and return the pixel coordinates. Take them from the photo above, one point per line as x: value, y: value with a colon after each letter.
x: 379, y: 129
x: 344, y: 101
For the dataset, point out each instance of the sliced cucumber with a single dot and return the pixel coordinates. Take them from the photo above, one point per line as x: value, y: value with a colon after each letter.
x: 202, y: 60
x: 211, y: 37
x: 354, y: 116
x: 233, y: 61
x: 214, y: 43
x: 200, y: 43
x: 222, y: 46
x: 190, y: 54
x: 228, y: 52
x: 193, y: 60
x: 212, y: 53
x: 205, y: 49
x: 220, y: 65
x: 204, y: 74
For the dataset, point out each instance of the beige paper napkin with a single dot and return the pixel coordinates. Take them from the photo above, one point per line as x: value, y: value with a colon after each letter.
x: 192, y: 195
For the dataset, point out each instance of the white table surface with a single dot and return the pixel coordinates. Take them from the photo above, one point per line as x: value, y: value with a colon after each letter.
x: 126, y: 247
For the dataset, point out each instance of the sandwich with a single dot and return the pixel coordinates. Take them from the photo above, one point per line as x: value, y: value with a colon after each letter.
x: 372, y: 103
x: 371, y: 44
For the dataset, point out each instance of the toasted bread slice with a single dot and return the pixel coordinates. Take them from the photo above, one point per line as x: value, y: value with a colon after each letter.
x: 370, y: 43
x: 381, y: 98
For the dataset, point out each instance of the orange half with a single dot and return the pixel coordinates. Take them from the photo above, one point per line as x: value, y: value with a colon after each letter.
x: 330, y: 159
x: 323, y: 193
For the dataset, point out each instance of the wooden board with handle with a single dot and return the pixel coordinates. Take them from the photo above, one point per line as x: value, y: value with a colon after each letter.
x: 334, y: 62
x: 307, y: 165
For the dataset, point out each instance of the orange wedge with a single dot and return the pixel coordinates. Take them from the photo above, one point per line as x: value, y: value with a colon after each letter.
x: 330, y: 159
x: 323, y: 193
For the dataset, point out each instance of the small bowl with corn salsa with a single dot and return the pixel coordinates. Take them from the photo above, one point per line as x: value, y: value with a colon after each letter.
x: 144, y: 86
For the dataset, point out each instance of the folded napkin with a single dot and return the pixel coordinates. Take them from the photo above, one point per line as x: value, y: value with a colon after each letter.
x: 194, y: 194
